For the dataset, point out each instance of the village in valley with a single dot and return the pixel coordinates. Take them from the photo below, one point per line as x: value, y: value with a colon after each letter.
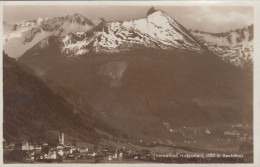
x: 182, y: 151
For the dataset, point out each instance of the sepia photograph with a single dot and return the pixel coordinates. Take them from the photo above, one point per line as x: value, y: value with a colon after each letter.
x: 97, y: 83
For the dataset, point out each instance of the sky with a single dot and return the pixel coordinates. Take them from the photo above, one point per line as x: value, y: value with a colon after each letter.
x: 204, y: 18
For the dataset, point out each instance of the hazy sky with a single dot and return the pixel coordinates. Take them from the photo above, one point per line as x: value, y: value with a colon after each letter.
x: 204, y: 18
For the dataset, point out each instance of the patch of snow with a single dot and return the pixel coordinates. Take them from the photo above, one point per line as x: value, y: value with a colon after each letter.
x: 15, y: 46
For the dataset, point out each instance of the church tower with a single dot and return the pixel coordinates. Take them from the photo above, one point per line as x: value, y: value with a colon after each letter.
x: 61, y: 137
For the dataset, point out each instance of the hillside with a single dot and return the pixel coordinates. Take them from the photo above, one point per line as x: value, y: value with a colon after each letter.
x: 32, y: 110
x: 139, y: 90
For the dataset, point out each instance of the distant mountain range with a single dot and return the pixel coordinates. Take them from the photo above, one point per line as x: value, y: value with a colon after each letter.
x: 136, y: 75
x: 25, y: 34
x: 235, y: 46
x: 79, y: 35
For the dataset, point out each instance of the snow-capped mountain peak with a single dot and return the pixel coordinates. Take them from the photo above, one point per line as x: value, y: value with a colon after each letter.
x: 159, y: 18
x: 150, y: 11
x: 77, y: 18
x: 157, y: 30
x: 39, y: 20
x: 25, y: 34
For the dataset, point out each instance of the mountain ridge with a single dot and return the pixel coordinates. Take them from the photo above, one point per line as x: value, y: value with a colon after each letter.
x: 25, y: 34
x: 234, y: 46
x: 107, y: 36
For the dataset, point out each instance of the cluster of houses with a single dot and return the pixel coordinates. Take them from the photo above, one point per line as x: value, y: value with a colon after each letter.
x: 184, y: 131
x: 240, y: 136
x: 239, y: 125
x: 24, y: 151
